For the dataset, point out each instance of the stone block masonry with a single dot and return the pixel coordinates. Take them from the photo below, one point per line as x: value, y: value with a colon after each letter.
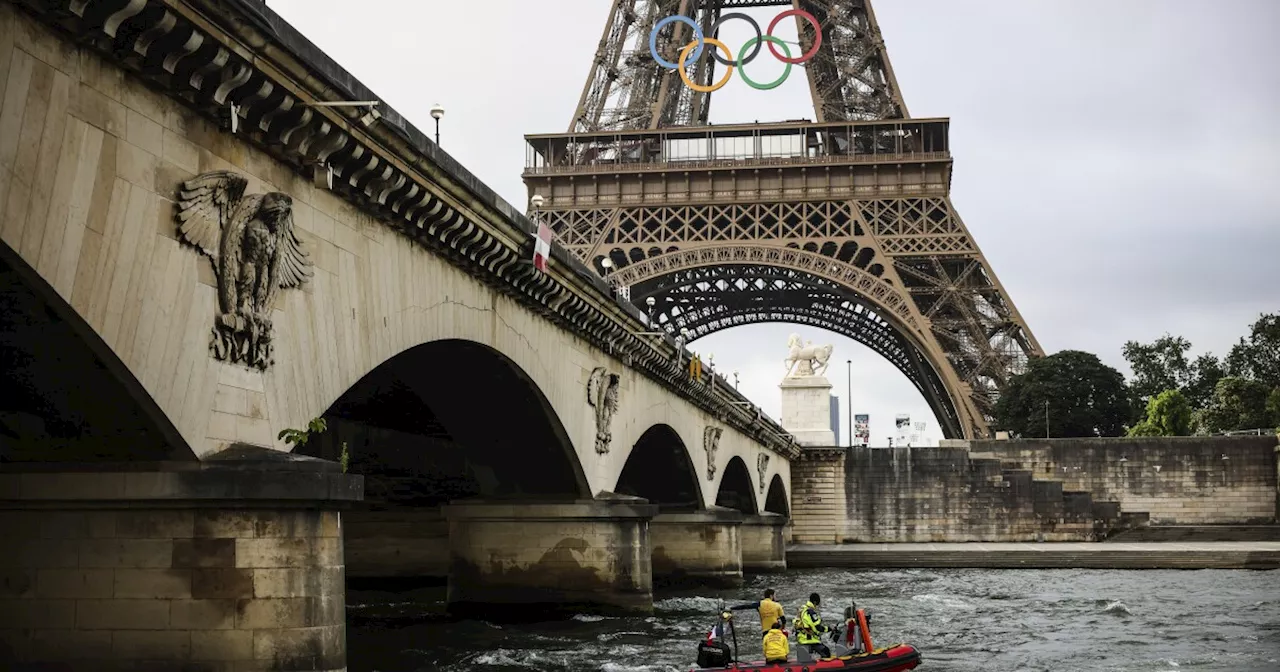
x: 511, y: 558
x: 1030, y: 490
x: 222, y: 566
x: 1175, y: 480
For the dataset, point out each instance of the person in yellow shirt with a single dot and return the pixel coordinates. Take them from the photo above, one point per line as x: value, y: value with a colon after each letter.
x: 776, y: 648
x: 770, y: 611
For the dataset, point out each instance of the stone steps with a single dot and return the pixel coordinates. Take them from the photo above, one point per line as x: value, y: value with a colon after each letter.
x: 1068, y: 513
x: 1197, y: 533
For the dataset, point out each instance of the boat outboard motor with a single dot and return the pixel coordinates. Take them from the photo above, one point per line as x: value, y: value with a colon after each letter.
x: 714, y: 653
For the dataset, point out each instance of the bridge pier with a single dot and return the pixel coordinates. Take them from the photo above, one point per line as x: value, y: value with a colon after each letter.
x: 513, y: 558
x: 397, y: 543
x: 232, y: 563
x: 697, y: 547
x: 764, y: 547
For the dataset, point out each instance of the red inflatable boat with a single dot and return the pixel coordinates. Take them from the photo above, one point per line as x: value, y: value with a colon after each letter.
x: 893, y: 659
x: 858, y: 654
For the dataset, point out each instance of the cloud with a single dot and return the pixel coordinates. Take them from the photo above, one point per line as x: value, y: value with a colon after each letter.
x: 1118, y: 162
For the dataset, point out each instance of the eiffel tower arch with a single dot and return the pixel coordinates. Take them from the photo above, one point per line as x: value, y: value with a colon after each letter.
x: 843, y: 223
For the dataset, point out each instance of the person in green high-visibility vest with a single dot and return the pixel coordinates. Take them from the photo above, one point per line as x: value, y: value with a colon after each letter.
x: 810, y: 628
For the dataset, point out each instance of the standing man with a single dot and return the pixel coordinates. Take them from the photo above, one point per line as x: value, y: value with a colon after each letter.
x: 810, y: 628
x: 770, y: 611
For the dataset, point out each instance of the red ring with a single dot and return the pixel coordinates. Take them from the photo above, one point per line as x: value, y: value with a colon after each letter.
x: 817, y: 43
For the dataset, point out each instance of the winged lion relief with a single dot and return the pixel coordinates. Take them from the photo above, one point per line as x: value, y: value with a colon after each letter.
x: 255, y: 254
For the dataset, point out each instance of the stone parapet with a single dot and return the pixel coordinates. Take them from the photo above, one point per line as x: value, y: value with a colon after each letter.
x: 234, y: 564
x: 697, y: 547
x: 764, y: 544
x: 514, y: 558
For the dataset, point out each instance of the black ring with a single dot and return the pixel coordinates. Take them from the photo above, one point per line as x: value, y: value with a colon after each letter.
x: 714, y: 32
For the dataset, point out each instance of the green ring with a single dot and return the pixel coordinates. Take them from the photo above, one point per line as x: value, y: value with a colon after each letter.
x: 743, y: 71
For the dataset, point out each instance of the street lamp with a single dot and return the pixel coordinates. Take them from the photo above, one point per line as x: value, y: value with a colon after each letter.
x: 849, y: 401
x: 650, y: 302
x: 437, y: 112
x: 537, y: 201
x: 735, y: 379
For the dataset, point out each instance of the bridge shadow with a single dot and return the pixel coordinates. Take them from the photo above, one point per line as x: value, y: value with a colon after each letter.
x: 660, y: 470
x: 65, y: 396
x: 445, y: 421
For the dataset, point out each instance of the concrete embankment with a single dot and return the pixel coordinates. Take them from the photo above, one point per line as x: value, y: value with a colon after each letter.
x: 1084, y: 555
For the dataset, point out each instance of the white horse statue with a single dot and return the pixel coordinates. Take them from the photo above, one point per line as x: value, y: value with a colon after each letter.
x: 811, y: 358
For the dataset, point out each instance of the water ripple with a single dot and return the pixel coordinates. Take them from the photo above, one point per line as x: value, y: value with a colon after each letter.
x: 961, y: 620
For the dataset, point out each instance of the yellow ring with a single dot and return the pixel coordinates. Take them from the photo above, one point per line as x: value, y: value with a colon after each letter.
x: 684, y: 74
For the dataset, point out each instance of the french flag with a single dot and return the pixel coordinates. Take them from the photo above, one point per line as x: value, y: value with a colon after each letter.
x: 542, y: 247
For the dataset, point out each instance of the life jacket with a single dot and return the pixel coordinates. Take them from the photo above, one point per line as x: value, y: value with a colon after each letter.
x: 809, y: 627
x: 775, y: 645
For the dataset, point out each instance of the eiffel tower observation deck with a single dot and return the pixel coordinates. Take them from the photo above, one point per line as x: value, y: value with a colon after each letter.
x: 843, y: 222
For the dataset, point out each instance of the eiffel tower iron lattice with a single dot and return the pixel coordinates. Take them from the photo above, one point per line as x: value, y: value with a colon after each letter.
x: 843, y: 223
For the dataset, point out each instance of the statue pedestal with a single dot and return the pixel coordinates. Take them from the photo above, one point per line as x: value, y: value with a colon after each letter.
x: 806, y: 410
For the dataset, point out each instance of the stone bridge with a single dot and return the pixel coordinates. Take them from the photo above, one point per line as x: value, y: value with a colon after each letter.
x: 197, y: 258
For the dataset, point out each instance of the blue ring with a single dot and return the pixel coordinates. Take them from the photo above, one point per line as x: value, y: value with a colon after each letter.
x: 653, y: 41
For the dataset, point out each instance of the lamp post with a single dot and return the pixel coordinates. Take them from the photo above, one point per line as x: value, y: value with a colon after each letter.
x: 650, y: 303
x: 849, y: 401
x: 437, y: 112
x: 735, y: 379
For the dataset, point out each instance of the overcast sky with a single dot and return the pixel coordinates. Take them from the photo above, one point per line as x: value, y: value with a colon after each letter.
x: 1118, y: 161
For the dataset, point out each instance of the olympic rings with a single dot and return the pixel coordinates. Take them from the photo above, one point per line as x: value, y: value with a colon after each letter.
x: 700, y: 41
x: 684, y: 74
x: 785, y: 73
x: 817, y: 32
x: 715, y: 30
x: 653, y: 39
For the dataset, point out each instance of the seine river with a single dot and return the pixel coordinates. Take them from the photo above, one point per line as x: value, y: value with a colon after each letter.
x: 961, y: 620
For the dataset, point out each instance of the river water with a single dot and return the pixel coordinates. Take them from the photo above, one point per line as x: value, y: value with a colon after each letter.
x: 961, y: 620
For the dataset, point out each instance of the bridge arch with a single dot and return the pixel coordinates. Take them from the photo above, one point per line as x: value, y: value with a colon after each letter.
x: 707, y: 290
x: 735, y: 490
x: 777, y: 501
x: 660, y: 469
x: 449, y: 419
x: 68, y: 396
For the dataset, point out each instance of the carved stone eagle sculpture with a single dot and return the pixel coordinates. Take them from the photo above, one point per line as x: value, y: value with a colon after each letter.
x: 602, y: 395
x: 255, y: 253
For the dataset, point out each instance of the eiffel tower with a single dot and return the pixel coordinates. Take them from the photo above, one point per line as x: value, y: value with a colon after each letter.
x: 843, y: 223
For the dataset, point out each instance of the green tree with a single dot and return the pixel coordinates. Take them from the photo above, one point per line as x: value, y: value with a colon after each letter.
x: 1206, y: 371
x: 1237, y: 403
x: 1084, y: 397
x: 1168, y: 414
x: 1158, y: 366
x: 1258, y: 357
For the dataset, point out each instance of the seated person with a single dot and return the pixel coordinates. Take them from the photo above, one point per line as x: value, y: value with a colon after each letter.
x: 776, y: 647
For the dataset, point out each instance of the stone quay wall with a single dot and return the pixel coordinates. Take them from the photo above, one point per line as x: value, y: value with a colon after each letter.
x: 920, y: 495
x: 1176, y: 480
x: 1030, y: 490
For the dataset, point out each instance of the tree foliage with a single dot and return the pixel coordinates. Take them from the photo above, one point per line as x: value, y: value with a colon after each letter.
x: 1168, y: 414
x: 1158, y: 366
x: 1162, y: 365
x: 1084, y: 398
x: 1258, y: 356
x: 1238, y: 403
